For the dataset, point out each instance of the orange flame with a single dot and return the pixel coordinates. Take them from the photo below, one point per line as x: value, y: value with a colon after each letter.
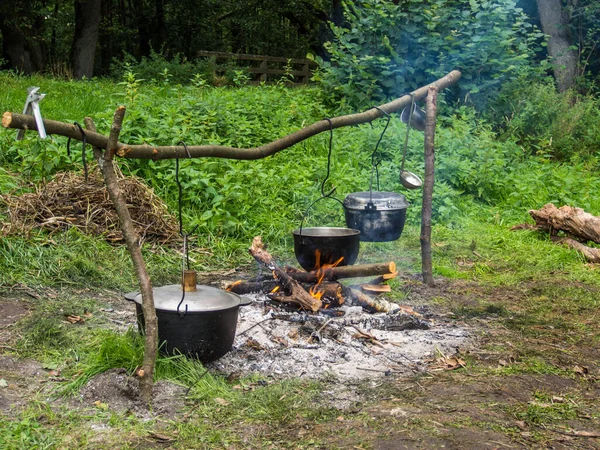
x: 321, y: 271
x: 232, y: 285
x: 275, y: 289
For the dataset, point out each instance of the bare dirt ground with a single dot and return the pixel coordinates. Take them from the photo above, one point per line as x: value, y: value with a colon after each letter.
x: 489, y: 395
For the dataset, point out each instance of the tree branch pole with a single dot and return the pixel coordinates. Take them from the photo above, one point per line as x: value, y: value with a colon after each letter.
x: 132, y: 239
x: 431, y: 105
x: 144, y: 151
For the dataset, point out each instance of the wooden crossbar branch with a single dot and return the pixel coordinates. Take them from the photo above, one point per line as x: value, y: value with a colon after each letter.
x: 105, y: 147
x: 145, y: 151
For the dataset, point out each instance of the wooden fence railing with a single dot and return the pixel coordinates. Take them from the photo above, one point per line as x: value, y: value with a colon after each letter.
x: 268, y: 68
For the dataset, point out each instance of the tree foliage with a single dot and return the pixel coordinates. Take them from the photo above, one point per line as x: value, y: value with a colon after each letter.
x: 385, y: 49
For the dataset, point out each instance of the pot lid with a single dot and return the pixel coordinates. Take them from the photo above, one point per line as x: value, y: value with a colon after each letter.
x: 381, y: 200
x: 204, y: 299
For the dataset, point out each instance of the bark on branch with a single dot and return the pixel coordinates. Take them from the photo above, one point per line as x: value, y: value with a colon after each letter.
x: 132, y: 240
x: 21, y: 121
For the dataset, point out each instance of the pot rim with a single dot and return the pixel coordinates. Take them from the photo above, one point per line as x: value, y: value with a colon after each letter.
x: 206, y: 299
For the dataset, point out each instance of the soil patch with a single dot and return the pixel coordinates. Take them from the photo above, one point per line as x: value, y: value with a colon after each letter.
x: 119, y: 392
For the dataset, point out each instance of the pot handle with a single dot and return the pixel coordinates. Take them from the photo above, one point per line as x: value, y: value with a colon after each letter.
x: 245, y: 301
x: 328, y: 196
x: 130, y: 296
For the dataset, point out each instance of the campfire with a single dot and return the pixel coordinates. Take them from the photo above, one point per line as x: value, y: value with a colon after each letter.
x: 318, y: 289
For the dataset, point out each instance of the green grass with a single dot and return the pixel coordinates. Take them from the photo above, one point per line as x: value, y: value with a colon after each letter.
x: 538, y: 301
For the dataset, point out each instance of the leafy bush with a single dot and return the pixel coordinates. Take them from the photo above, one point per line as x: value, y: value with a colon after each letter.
x: 559, y: 125
x: 389, y: 48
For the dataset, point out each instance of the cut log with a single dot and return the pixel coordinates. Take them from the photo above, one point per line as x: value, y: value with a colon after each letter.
x: 248, y: 287
x: 336, y: 273
x: 574, y: 221
x: 376, y: 288
x: 372, y: 304
x: 294, y: 292
x: 590, y: 254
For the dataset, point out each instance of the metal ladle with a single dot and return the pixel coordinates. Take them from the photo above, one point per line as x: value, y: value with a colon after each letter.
x: 408, y: 179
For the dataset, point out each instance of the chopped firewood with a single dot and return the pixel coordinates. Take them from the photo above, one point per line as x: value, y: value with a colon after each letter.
x: 372, y: 304
x: 336, y: 273
x: 376, y: 288
x: 383, y: 278
x: 295, y: 292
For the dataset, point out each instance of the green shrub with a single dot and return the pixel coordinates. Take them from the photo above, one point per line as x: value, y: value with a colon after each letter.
x: 388, y: 48
x: 558, y: 125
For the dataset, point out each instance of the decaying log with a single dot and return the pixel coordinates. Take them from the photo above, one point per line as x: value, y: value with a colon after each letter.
x: 590, y: 254
x: 572, y: 220
x: 372, y: 304
x: 294, y: 292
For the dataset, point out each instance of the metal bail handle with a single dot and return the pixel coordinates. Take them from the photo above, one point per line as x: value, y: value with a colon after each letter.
x: 328, y: 196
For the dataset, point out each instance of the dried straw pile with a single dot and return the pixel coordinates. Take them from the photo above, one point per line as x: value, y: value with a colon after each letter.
x: 69, y: 201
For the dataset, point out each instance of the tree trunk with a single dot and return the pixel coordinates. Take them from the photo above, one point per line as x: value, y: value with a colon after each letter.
x: 555, y: 24
x: 14, y: 46
x: 428, y: 188
x: 87, y: 25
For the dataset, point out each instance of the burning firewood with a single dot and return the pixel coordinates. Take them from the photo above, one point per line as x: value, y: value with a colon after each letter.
x: 294, y: 292
x: 339, y: 272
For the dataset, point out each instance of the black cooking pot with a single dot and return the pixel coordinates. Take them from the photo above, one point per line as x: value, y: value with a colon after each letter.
x: 379, y: 216
x: 332, y: 243
x: 202, y: 326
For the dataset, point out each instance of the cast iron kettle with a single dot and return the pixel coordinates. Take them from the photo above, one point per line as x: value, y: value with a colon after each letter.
x: 378, y: 215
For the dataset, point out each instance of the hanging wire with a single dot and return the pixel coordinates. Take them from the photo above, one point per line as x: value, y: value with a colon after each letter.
x: 329, y: 195
x: 185, y: 262
x: 374, y: 162
x: 84, y: 142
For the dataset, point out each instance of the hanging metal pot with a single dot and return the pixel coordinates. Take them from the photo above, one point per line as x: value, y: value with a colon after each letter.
x: 201, y: 326
x: 379, y: 216
x: 317, y: 246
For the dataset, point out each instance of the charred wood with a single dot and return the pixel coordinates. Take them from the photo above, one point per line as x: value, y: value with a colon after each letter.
x: 293, y: 291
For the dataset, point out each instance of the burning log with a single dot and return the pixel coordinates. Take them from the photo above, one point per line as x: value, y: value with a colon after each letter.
x: 294, y: 292
x: 336, y: 273
x: 241, y: 287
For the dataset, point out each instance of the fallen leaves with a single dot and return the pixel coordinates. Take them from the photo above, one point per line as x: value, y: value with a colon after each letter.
x: 448, y: 363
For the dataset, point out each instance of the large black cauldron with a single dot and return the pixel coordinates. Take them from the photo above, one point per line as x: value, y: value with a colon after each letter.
x: 201, y: 326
